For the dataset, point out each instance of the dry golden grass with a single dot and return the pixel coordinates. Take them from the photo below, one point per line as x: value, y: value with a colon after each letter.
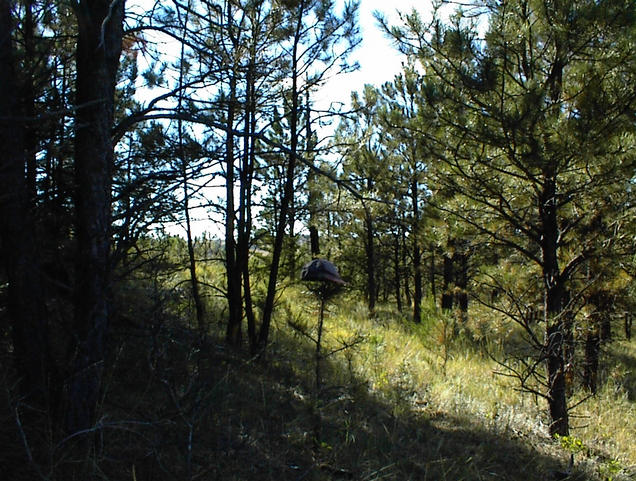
x: 397, y: 402
x: 419, y: 369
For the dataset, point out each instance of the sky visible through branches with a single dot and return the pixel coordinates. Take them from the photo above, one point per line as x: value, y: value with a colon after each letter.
x: 379, y: 62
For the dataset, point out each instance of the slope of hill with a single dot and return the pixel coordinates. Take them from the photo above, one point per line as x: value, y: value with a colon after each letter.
x: 392, y: 402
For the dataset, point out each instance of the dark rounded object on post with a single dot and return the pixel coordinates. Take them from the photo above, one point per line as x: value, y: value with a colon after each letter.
x: 321, y: 270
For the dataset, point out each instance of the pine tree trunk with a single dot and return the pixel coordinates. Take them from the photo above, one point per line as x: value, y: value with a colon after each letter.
x: 417, y: 256
x: 447, y: 286
x: 407, y: 287
x: 557, y: 395
x: 555, y: 295
x: 594, y: 338
x: 233, y: 333
x: 369, y: 247
x: 28, y: 100
x: 461, y: 281
x: 245, y: 204
x: 25, y: 294
x: 397, y: 270
x: 192, y: 264
x: 288, y: 193
x: 432, y: 274
x: 98, y: 50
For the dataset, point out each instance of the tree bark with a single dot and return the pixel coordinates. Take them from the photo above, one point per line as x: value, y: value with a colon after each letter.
x: 26, y: 302
x: 461, y: 281
x: 554, y: 306
x: 447, y: 294
x: 28, y: 100
x: 600, y: 300
x: 192, y: 263
x: 288, y: 191
x: 98, y: 51
x: 417, y: 255
x: 397, y: 269
x: 234, y: 298
x: 245, y: 204
x: 407, y: 288
x: 592, y: 354
x: 370, y: 259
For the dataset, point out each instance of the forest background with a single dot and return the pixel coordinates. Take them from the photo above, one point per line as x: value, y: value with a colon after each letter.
x: 479, y: 205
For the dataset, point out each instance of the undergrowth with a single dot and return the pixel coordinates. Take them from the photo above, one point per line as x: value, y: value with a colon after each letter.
x: 397, y: 401
x: 439, y: 369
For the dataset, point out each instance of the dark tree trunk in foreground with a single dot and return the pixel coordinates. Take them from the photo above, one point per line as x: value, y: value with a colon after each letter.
x: 235, y: 304
x: 26, y: 307
x: 192, y: 263
x: 555, y: 295
x: 245, y: 203
x: 97, y: 59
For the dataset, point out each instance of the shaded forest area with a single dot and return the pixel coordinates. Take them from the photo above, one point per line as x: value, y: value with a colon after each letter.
x: 481, y: 203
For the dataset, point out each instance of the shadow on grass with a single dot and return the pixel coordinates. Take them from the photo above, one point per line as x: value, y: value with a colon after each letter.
x: 621, y: 353
x: 209, y: 413
x: 178, y: 408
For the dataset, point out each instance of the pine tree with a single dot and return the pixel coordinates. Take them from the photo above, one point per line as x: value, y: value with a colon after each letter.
x: 534, y: 135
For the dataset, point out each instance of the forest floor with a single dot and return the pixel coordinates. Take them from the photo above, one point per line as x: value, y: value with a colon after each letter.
x: 391, y: 402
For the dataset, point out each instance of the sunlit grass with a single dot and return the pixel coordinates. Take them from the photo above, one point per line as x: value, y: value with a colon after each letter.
x: 438, y: 371
x: 429, y: 370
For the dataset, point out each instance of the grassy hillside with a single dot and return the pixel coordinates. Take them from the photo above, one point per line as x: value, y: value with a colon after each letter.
x: 394, y: 402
